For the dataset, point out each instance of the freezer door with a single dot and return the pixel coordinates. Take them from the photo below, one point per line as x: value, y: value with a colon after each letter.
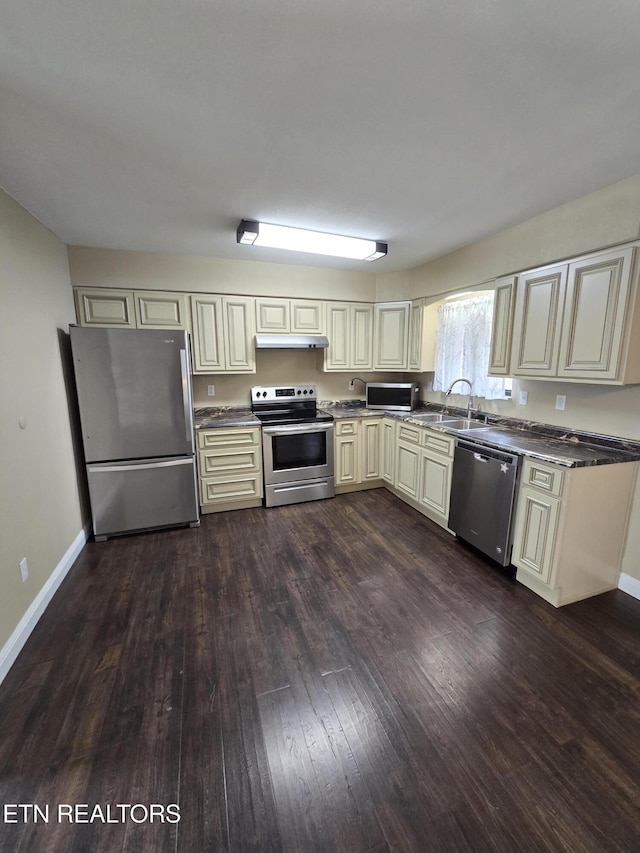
x: 134, y: 392
x: 142, y: 495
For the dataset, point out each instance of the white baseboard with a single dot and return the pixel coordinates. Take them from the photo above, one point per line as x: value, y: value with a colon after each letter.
x: 629, y: 585
x: 12, y: 648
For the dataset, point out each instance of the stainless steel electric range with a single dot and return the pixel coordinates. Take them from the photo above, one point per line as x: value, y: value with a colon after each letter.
x: 297, y: 443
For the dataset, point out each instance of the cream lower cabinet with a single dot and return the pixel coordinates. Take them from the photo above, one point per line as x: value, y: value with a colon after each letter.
x: 436, y: 466
x: 357, y: 453
x: 388, y: 450
x: 223, y: 334
x: 570, y: 528
x: 424, y: 462
x: 347, y: 469
x: 230, y: 468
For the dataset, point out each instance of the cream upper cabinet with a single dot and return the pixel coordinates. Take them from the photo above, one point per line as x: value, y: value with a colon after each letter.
x: 503, y: 304
x: 307, y: 317
x: 272, y: 315
x: 144, y: 309
x: 578, y: 321
x: 538, y: 321
x: 349, y: 329
x: 295, y: 316
x: 391, y: 336
x: 104, y: 308
x: 222, y: 334
x: 162, y: 310
x: 594, y: 315
x: 422, y: 336
x: 570, y: 528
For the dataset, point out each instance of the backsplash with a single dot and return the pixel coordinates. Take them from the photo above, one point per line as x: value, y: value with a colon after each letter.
x: 280, y: 367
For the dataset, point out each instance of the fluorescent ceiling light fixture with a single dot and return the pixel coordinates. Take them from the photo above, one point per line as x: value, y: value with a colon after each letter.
x: 315, y: 242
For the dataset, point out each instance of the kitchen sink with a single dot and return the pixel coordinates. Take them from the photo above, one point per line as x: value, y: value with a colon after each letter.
x: 433, y: 417
x: 466, y: 424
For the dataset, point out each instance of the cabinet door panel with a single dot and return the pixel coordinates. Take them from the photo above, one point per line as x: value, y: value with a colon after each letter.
x: 208, y: 347
x: 346, y: 460
x: 162, y: 310
x: 388, y: 451
x: 361, y: 319
x: 105, y: 308
x: 272, y: 315
x: 435, y: 483
x: 337, y: 354
x: 499, y: 355
x: 538, y: 319
x: 238, y: 329
x: 536, y: 525
x: 306, y: 317
x: 370, y: 450
x: 597, y: 291
x: 408, y: 469
x: 391, y: 336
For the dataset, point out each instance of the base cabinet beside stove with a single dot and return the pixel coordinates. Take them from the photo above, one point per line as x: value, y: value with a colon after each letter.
x: 358, y: 454
x: 230, y: 468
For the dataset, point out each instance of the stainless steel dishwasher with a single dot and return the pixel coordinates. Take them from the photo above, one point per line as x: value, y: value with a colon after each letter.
x: 483, y: 489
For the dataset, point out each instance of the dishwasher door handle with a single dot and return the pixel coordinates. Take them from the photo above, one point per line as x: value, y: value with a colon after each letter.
x: 480, y: 458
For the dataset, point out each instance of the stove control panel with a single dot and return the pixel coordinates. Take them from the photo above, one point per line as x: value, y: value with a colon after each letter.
x: 282, y: 393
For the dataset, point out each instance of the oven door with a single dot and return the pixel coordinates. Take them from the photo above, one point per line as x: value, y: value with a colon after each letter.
x: 296, y: 452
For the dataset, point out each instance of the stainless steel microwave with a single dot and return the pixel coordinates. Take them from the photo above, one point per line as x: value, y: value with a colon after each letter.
x: 393, y: 396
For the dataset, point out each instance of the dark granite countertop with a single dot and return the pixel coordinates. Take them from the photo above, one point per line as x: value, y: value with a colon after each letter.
x: 216, y: 417
x: 570, y: 448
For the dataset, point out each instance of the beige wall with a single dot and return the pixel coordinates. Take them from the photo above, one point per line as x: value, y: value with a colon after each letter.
x: 603, y: 218
x: 40, y: 515
x: 157, y: 271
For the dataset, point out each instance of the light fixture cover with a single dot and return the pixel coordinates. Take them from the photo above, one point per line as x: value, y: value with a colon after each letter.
x: 255, y: 233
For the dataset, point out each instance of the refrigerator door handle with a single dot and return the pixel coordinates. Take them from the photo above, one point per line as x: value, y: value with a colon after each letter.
x: 186, y: 394
x: 109, y: 468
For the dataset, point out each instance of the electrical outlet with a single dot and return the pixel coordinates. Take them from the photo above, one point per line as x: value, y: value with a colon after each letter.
x: 352, y: 384
x: 211, y: 390
x: 561, y: 402
x: 523, y: 398
x: 24, y: 569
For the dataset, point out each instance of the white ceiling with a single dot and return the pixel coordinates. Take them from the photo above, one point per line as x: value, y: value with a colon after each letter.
x: 158, y: 124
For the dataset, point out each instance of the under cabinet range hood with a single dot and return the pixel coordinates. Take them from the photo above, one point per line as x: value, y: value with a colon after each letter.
x: 291, y: 342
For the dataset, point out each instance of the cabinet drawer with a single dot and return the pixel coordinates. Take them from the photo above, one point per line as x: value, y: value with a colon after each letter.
x: 542, y: 477
x: 224, y: 489
x: 437, y: 441
x: 346, y: 427
x: 409, y: 433
x: 213, y: 463
x: 229, y: 438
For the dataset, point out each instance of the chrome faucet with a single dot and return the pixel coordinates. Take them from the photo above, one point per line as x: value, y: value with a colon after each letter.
x: 470, y: 407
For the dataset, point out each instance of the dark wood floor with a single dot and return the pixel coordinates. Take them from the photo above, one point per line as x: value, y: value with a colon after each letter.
x: 335, y: 676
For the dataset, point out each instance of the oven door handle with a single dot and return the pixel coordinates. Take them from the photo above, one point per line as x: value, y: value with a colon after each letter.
x: 296, y: 428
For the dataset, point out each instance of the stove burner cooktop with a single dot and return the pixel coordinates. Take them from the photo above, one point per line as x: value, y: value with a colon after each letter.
x: 287, y: 404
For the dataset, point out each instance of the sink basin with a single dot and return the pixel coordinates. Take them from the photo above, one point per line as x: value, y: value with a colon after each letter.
x: 465, y: 424
x: 433, y: 417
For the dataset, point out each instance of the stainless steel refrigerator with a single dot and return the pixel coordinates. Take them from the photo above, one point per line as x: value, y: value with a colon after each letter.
x: 136, y: 415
